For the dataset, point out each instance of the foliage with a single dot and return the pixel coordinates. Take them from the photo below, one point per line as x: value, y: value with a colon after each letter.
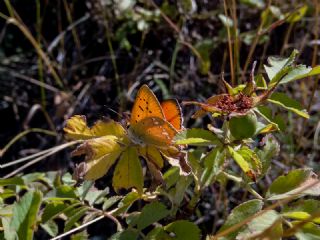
x: 158, y: 172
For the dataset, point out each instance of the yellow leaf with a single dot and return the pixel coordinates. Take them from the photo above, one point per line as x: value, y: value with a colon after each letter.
x: 101, y: 153
x: 150, y: 153
x: 76, y: 128
x: 128, y: 172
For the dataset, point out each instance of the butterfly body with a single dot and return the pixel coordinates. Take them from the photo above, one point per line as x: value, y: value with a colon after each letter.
x: 153, y: 123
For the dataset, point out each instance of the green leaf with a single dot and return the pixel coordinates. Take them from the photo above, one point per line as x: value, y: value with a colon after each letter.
x: 25, y: 214
x: 270, y: 150
x: 126, y: 202
x: 129, y: 234
x: 9, y: 233
x: 294, y: 184
x: 51, y: 228
x: 309, y: 231
x: 268, y: 224
x: 302, y: 210
x: 52, y: 209
x: 299, y: 72
x: 158, y: 233
x: 238, y: 214
x: 171, y: 176
x: 196, y: 137
x: 283, y: 100
x: 151, y: 213
x: 278, y: 67
x: 242, y: 163
x: 80, y: 236
x: 254, y: 3
x: 63, y: 191
x: 213, y: 164
x: 12, y: 181
x: 79, y: 213
x: 183, y: 230
x: 252, y: 158
x: 109, y: 202
x: 297, y: 15
x: 128, y: 172
x: 204, y: 48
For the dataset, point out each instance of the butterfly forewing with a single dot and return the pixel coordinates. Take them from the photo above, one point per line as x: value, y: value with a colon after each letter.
x: 172, y: 113
x: 146, y: 105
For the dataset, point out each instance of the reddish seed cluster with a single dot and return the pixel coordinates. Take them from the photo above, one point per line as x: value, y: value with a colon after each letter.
x: 241, y: 103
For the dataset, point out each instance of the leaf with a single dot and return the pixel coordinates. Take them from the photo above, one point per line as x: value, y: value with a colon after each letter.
x: 128, y: 172
x: 213, y: 164
x: 158, y: 233
x: 76, y: 128
x: 62, y: 192
x: 254, y: 3
x: 268, y: 225
x: 129, y: 234
x: 51, y: 228
x: 9, y: 233
x: 151, y: 153
x: 302, y: 210
x: 196, y: 137
x: 252, y: 158
x: 309, y: 231
x: 150, y: 214
x: 278, y: 67
x: 270, y: 150
x: 294, y: 184
x: 238, y: 214
x: 283, y: 100
x: 25, y: 214
x: 80, y: 236
x: 243, y: 163
x: 183, y: 230
x: 297, y: 15
x: 79, y: 213
x: 101, y: 154
x: 299, y: 72
x: 109, y: 202
x: 52, y: 209
x: 126, y: 202
x: 12, y: 181
x: 204, y: 48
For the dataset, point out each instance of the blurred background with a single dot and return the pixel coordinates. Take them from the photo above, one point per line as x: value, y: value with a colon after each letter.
x: 64, y: 57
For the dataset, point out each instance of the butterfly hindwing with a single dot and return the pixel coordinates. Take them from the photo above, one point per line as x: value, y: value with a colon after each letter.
x: 172, y: 113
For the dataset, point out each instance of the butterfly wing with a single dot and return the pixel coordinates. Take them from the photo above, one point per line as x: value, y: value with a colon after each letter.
x: 172, y: 112
x: 146, y: 105
x: 153, y: 131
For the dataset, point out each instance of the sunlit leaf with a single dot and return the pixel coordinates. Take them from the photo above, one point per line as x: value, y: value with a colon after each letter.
x: 128, y: 234
x: 101, y: 154
x: 246, y: 165
x: 283, y: 100
x: 25, y: 214
x: 295, y: 184
x: 12, y: 181
x: 278, y: 67
x: 300, y: 72
x: 151, y: 153
x: 266, y: 225
x: 302, y: 210
x: 128, y: 172
x: 76, y: 128
x: 238, y: 214
x: 298, y: 14
x: 197, y: 137
x: 253, y: 159
x: 308, y: 231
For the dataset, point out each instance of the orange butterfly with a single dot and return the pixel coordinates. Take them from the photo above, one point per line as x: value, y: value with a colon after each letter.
x: 153, y: 123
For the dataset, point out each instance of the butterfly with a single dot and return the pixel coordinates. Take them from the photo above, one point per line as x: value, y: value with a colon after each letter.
x: 152, y: 123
